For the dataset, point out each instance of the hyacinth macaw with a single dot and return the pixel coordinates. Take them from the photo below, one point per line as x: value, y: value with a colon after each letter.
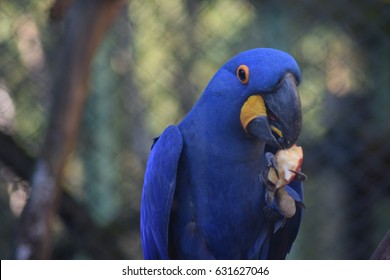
x: 204, y: 196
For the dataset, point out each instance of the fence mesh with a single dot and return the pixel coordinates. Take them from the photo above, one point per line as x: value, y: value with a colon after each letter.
x: 149, y: 71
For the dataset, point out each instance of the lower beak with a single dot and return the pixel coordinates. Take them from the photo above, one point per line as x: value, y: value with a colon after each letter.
x: 275, y: 117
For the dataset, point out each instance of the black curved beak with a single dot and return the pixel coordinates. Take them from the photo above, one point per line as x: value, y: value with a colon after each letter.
x: 283, y: 121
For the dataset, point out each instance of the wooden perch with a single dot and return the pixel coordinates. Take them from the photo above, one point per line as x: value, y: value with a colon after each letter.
x: 86, y: 23
x: 383, y: 250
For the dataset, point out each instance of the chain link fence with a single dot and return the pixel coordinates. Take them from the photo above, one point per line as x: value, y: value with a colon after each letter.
x: 149, y: 71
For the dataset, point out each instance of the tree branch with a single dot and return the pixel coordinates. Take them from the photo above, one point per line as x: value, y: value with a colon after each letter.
x: 74, y: 215
x: 59, y: 8
x: 87, y: 22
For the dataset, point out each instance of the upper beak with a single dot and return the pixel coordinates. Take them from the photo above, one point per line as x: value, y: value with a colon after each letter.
x: 276, y: 116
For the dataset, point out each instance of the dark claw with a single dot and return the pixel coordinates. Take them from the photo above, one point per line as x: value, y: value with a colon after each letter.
x: 299, y: 176
x: 264, y: 178
x: 270, y: 160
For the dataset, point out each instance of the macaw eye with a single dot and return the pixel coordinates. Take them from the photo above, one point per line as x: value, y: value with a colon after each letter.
x: 243, y: 74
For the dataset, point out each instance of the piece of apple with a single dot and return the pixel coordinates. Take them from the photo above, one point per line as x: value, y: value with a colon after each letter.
x: 287, y: 162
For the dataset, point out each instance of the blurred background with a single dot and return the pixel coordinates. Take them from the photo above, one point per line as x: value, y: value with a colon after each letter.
x: 150, y: 69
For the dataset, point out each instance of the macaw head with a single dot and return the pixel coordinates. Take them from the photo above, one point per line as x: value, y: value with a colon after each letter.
x: 256, y: 94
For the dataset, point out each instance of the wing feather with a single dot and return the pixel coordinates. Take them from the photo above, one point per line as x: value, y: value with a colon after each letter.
x: 282, y: 240
x: 158, y: 191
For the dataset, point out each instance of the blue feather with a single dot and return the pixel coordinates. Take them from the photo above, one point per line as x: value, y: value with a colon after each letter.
x: 158, y: 190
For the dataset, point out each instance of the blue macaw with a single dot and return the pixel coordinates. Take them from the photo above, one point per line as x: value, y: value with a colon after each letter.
x: 205, y: 187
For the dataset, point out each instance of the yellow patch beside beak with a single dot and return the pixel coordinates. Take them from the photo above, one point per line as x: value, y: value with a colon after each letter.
x: 254, y: 107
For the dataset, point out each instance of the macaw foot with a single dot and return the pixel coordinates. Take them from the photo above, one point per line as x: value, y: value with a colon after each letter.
x: 270, y: 162
x: 285, y: 197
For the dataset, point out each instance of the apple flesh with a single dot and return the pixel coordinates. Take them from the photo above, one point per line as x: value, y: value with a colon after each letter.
x: 287, y: 163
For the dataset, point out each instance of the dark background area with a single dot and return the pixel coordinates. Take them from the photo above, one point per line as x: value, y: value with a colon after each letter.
x: 150, y: 68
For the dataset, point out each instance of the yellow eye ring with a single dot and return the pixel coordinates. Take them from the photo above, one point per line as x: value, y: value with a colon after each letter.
x: 243, y: 74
